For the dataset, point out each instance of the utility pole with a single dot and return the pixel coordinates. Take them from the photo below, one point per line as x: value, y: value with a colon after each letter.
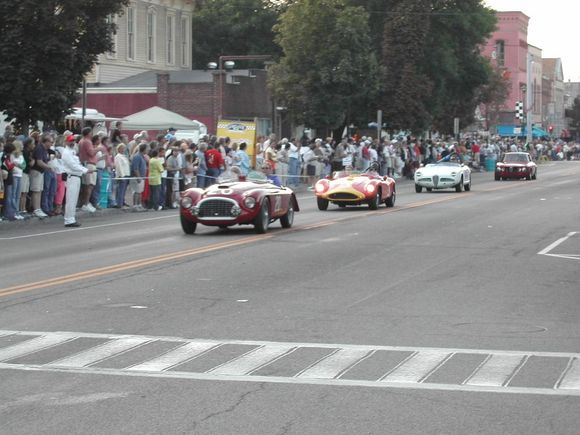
x: 529, y: 99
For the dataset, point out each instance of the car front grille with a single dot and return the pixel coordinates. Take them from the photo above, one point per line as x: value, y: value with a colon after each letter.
x: 342, y: 195
x: 216, y: 208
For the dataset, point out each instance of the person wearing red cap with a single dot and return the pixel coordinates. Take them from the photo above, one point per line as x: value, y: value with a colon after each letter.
x: 74, y: 170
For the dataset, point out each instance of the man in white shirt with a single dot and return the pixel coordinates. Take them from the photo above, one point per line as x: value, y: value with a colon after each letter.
x: 74, y: 170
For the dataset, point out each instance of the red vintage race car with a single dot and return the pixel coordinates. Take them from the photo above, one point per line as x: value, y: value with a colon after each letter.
x: 516, y: 165
x: 355, y: 188
x: 257, y: 203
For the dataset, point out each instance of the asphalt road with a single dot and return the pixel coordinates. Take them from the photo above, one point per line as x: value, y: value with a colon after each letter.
x: 451, y: 313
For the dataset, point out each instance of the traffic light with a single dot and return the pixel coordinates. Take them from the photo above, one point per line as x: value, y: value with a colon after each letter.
x: 520, y: 110
x: 550, y: 129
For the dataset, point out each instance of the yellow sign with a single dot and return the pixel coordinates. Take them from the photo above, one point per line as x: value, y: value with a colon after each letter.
x: 239, y: 131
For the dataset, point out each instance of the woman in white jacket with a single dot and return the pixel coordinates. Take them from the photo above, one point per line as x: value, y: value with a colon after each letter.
x: 123, y: 172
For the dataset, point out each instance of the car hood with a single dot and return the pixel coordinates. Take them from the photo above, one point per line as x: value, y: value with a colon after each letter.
x: 237, y: 188
x: 349, y: 183
x: 438, y: 170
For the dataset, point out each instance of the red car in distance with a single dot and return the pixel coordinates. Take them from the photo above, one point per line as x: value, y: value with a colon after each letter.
x: 516, y: 165
x: 257, y: 203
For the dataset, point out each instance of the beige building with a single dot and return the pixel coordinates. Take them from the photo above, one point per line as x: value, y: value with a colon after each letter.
x: 151, y: 35
x: 536, y: 83
x: 553, y: 96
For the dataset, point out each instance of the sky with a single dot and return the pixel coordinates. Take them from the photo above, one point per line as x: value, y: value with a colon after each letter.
x: 552, y: 28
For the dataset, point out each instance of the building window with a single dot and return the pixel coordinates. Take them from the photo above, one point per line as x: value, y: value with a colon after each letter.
x: 184, y: 41
x: 500, y: 53
x: 170, y: 38
x: 151, y: 25
x: 112, y: 21
x: 131, y: 33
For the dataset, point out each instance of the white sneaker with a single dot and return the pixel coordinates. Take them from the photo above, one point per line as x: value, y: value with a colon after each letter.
x: 39, y: 213
x: 88, y: 208
x: 18, y: 217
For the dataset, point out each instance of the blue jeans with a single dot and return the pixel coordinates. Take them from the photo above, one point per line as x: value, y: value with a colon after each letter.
x: 121, y: 191
x: 96, y: 194
x: 155, y: 193
x: 15, y: 199
x: 293, y: 171
x: 200, y: 180
x: 212, y: 175
x: 9, y: 210
x: 48, y: 192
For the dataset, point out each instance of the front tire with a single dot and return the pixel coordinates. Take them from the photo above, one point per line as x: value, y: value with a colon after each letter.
x: 263, y: 218
x: 497, y: 177
x: 374, y: 203
x: 390, y: 201
x: 322, y: 203
x: 467, y: 187
x: 459, y: 187
x: 288, y: 219
x: 418, y: 188
x: 535, y: 176
x: 187, y: 226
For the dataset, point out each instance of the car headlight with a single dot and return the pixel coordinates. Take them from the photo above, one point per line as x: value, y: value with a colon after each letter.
x: 321, y: 187
x: 453, y: 174
x: 370, y: 188
x: 250, y: 201
x: 186, y: 202
x: 418, y: 174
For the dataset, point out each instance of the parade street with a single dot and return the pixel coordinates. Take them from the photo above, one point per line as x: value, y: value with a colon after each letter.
x: 451, y: 312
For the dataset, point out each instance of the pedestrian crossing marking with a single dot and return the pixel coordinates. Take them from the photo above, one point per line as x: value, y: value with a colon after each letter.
x: 334, y: 364
x: 497, y: 370
x: 174, y: 357
x: 417, y: 367
x: 493, y: 375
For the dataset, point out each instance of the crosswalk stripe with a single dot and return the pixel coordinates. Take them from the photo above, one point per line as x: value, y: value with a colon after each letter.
x: 571, y: 376
x: 175, y: 357
x: 333, y: 365
x: 252, y: 361
x: 31, y: 346
x: 417, y: 367
x: 496, y: 370
x: 99, y: 353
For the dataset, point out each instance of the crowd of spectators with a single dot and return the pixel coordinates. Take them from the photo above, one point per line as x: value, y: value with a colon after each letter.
x: 50, y: 174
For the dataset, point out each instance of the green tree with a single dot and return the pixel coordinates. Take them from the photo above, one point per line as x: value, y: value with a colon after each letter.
x: 234, y: 27
x: 493, y: 95
x: 431, y: 56
x: 328, y: 75
x: 406, y: 87
x: 46, y: 48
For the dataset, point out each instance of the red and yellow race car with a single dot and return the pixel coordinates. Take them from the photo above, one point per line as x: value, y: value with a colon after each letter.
x: 355, y: 188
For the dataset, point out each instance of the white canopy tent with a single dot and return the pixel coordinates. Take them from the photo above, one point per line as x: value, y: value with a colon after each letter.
x: 157, y: 118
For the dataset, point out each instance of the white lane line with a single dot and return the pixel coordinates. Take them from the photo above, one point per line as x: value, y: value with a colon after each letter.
x: 496, y: 371
x: 545, y: 251
x: 252, y: 360
x: 296, y: 381
x: 417, y: 367
x: 99, y: 353
x: 333, y: 365
x: 83, y: 228
x: 32, y: 345
x: 175, y: 357
x: 571, y: 376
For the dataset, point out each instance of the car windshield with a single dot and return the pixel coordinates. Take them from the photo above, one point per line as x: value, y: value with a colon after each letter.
x: 515, y: 158
x: 454, y: 164
x: 342, y: 174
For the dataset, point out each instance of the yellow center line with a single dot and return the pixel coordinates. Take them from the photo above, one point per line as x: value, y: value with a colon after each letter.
x: 135, y: 264
x: 126, y: 266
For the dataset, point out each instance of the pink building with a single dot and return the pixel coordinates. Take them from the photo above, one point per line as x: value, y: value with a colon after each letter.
x: 508, y: 49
